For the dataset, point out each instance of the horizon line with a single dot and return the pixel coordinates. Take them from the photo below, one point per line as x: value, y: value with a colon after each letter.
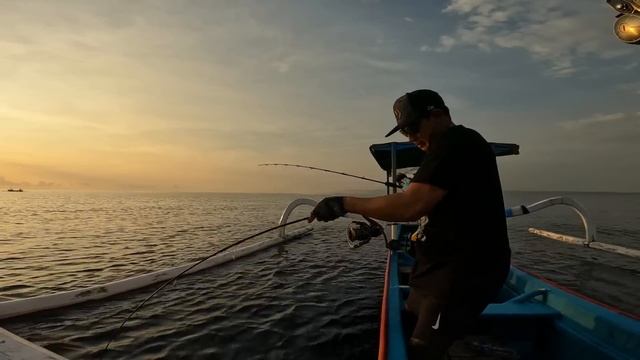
x: 298, y: 193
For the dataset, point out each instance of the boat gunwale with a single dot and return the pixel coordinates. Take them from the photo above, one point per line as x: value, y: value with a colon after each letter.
x: 382, y: 344
x: 578, y: 294
x: 618, y: 317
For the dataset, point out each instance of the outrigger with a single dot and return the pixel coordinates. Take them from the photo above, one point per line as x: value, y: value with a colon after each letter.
x: 532, y: 318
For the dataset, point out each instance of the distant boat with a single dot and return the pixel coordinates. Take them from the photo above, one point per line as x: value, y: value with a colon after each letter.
x: 15, y: 190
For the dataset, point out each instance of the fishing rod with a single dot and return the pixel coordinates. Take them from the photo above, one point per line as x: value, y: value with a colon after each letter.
x: 194, y: 265
x: 386, y: 183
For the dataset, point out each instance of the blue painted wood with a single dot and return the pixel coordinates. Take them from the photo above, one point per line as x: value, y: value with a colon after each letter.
x: 396, y: 340
x: 541, y: 320
x: 599, y: 328
x: 513, y: 310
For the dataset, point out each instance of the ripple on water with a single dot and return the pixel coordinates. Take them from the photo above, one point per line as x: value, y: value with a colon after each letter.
x: 312, y: 298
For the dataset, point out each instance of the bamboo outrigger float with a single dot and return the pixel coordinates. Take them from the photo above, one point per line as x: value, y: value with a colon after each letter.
x: 13, y: 308
x: 13, y: 347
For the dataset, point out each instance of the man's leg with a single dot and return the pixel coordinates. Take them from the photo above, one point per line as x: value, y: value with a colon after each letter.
x: 429, y: 340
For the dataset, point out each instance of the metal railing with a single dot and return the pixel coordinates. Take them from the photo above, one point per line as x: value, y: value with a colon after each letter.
x: 589, y: 227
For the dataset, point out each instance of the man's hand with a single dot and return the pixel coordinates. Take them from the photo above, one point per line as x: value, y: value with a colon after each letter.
x: 328, y: 209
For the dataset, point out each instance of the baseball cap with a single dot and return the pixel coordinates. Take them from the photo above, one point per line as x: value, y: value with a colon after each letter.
x: 411, y: 107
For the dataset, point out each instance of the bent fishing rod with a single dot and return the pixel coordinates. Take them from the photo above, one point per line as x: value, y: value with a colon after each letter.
x: 386, y: 183
x: 194, y: 265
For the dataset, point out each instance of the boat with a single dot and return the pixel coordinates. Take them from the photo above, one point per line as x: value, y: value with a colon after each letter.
x: 532, y: 317
x: 15, y: 190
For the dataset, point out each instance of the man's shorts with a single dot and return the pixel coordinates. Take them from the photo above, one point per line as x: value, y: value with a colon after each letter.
x: 447, y: 308
x: 436, y: 317
x: 437, y: 324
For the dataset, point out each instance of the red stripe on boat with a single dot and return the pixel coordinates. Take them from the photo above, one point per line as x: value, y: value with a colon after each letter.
x: 382, y: 346
x: 582, y: 296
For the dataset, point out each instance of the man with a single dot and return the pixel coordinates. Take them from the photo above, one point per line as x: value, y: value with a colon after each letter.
x: 463, y: 255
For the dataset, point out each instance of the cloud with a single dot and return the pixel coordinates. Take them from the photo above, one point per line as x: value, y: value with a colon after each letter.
x: 631, y: 65
x: 599, y: 152
x: 41, y: 184
x: 593, y: 120
x: 5, y: 182
x: 385, y: 64
x: 556, y: 33
x: 282, y: 66
x: 446, y: 43
x: 29, y: 175
x: 408, y: 19
x: 615, y: 130
x: 632, y: 87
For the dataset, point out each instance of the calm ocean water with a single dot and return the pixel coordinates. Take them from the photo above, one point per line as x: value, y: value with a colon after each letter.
x: 313, y: 298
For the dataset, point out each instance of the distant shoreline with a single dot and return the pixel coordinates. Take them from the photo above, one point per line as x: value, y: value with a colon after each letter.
x: 344, y: 192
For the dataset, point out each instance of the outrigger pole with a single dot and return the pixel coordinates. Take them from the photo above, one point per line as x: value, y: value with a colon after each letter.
x: 386, y: 183
x: 194, y: 265
x: 590, y: 228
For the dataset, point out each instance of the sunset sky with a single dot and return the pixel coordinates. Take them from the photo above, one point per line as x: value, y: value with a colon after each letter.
x: 192, y: 95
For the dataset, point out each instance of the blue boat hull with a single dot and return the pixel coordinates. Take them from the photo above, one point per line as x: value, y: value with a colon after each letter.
x: 533, y: 317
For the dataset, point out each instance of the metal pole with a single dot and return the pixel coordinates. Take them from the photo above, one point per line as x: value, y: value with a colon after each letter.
x: 395, y: 190
x: 393, y: 165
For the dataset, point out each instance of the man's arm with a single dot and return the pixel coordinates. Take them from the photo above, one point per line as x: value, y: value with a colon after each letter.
x: 418, y: 200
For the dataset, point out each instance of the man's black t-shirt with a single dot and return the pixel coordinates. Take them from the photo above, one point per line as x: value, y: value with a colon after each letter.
x: 466, y: 247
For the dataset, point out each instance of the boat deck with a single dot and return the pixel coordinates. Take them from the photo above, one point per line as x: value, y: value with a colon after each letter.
x: 464, y: 349
x: 531, y: 319
x: 14, y: 347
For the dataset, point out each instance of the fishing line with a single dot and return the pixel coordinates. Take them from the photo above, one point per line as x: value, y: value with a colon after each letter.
x: 386, y: 183
x: 194, y: 265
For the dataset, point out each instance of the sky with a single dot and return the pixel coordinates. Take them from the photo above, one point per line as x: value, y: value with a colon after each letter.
x: 192, y: 95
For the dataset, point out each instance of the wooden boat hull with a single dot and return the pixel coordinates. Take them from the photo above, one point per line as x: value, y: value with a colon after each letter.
x: 533, y: 317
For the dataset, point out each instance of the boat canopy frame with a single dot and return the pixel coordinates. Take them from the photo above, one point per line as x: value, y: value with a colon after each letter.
x: 408, y: 155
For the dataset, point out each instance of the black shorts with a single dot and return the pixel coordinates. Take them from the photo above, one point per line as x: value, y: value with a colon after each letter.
x: 436, y: 325
x: 440, y: 320
x: 433, y: 316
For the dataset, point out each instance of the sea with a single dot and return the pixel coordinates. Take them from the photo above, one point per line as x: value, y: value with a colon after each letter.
x: 311, y: 298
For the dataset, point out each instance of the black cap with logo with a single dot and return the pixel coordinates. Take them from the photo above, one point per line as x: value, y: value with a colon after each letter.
x: 412, y: 107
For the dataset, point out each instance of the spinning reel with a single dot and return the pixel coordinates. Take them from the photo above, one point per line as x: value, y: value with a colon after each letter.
x: 360, y: 232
